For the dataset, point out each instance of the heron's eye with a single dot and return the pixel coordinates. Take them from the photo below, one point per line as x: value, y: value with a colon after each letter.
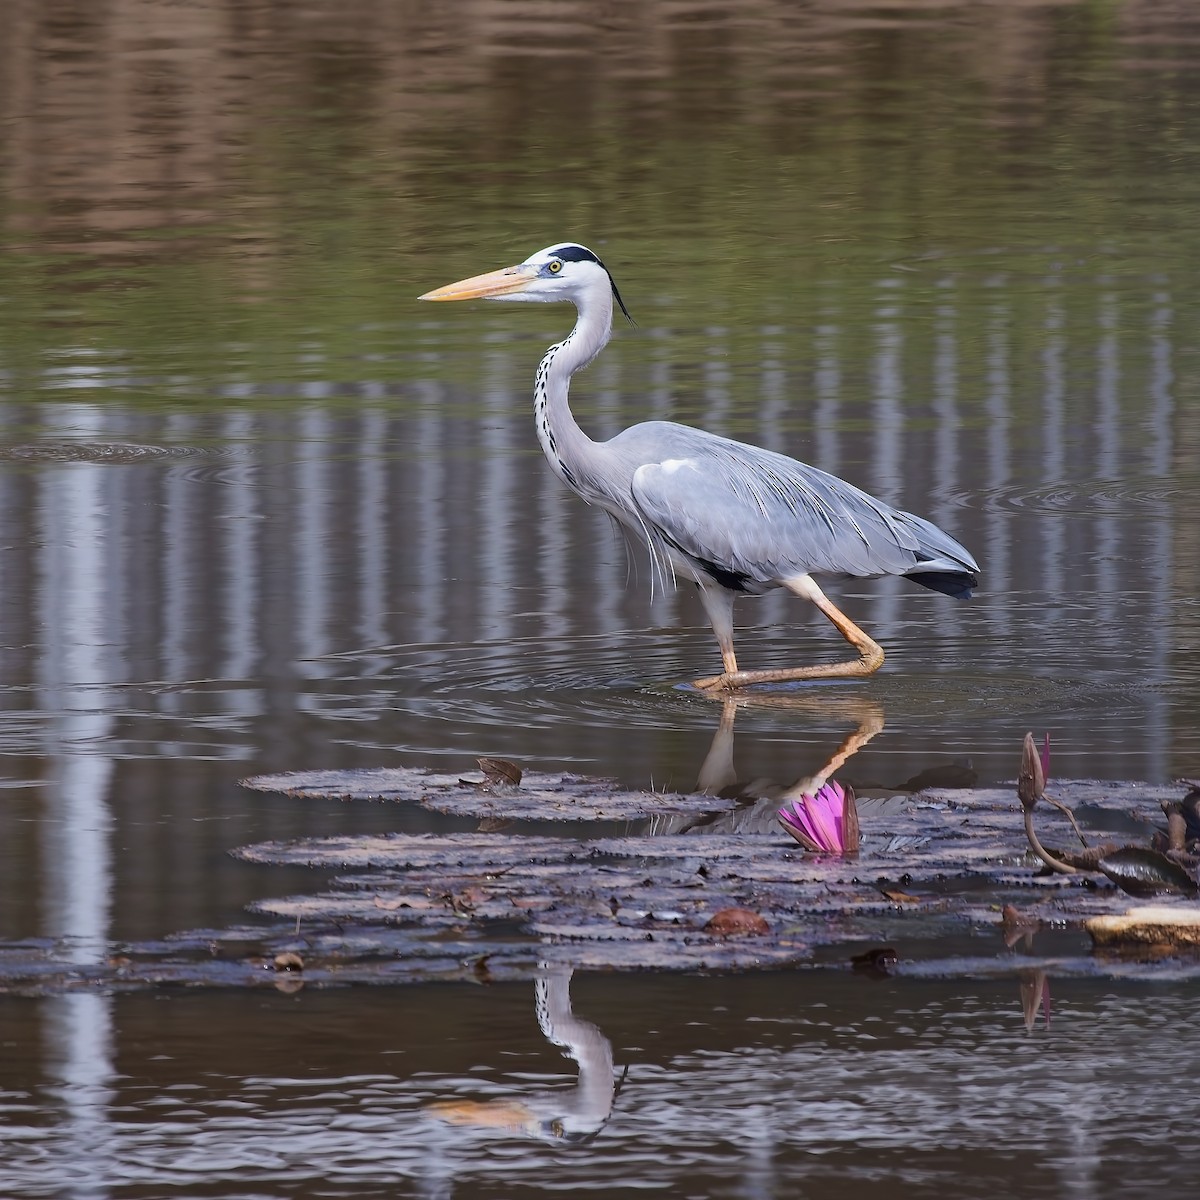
x: 554, y: 266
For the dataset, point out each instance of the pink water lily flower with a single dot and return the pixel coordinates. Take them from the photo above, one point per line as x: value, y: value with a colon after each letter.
x: 826, y: 823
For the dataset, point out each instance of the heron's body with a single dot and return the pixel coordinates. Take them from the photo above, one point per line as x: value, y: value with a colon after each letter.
x: 736, y: 519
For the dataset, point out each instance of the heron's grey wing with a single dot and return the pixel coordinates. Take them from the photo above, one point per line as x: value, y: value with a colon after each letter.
x: 766, y: 517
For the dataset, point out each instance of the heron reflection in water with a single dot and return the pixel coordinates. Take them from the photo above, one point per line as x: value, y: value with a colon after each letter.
x: 736, y: 519
x: 760, y: 798
x: 558, y: 1114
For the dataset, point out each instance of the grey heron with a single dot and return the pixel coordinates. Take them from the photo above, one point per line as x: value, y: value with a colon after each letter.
x: 736, y: 519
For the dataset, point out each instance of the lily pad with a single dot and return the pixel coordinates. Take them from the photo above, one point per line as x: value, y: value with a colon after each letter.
x: 538, y: 796
x: 1144, y: 872
x: 408, y: 908
x: 405, y: 851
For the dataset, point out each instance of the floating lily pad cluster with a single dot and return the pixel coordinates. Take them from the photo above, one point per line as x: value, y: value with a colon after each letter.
x: 928, y: 866
x: 494, y: 905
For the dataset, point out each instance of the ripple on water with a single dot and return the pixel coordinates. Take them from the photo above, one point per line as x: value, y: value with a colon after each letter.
x: 622, y: 678
x: 965, y: 674
x: 66, y: 450
x: 1131, y: 496
x: 900, y: 1093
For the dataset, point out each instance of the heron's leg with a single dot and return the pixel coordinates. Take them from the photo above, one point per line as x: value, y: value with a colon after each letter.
x: 870, y: 653
x: 718, y: 607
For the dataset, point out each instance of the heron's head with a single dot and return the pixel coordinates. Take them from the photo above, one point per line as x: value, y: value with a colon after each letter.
x: 566, y: 271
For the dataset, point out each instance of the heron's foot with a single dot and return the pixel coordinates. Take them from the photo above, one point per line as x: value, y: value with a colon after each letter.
x: 731, y: 681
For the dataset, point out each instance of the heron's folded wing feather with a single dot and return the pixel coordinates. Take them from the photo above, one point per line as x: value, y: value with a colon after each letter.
x: 768, y: 517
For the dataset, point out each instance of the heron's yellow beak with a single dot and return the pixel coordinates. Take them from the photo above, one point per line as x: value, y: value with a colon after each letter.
x: 483, y: 287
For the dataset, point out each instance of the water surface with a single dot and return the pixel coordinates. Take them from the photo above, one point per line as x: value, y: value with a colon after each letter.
x: 260, y: 510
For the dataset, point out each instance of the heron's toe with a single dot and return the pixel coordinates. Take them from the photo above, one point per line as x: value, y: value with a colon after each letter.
x: 715, y: 683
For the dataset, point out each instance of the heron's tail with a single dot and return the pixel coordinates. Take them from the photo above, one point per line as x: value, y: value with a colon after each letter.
x: 958, y: 584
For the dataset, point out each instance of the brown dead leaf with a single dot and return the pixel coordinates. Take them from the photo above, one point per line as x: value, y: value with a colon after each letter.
x: 499, y: 771
x: 736, y: 922
x: 898, y: 897
x: 468, y: 900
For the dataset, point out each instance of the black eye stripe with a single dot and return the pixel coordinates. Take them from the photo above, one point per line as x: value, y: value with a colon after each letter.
x: 571, y: 253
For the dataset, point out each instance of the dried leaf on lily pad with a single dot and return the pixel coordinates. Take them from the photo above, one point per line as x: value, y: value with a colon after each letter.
x: 737, y: 922
x: 497, y: 772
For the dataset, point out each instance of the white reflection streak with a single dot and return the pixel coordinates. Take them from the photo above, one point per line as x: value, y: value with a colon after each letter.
x: 427, y: 467
x: 79, y: 1036
x: 947, y: 457
x: 370, y: 494
x: 888, y: 420
x: 1106, y: 588
x: 774, y: 402
x: 75, y: 674
x: 758, y: 1142
x: 314, y: 540
x: 1162, y: 407
x: 826, y: 452
x: 179, y: 522
x: 1052, y: 439
x: 498, y: 581
x: 999, y: 466
x: 827, y: 385
x: 241, y: 588
x: 1159, y: 597
x: 717, y: 379
x: 887, y: 417
x: 945, y: 412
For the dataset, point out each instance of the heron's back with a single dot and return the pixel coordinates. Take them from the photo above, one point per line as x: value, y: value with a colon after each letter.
x: 765, y: 517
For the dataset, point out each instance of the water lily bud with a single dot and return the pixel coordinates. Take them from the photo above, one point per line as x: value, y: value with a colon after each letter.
x: 1031, y: 782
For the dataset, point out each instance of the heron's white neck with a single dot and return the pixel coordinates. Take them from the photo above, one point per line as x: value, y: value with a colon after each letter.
x: 570, y: 451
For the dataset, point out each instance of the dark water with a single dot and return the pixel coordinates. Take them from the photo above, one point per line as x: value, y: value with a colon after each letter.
x: 260, y: 510
x: 737, y: 1088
